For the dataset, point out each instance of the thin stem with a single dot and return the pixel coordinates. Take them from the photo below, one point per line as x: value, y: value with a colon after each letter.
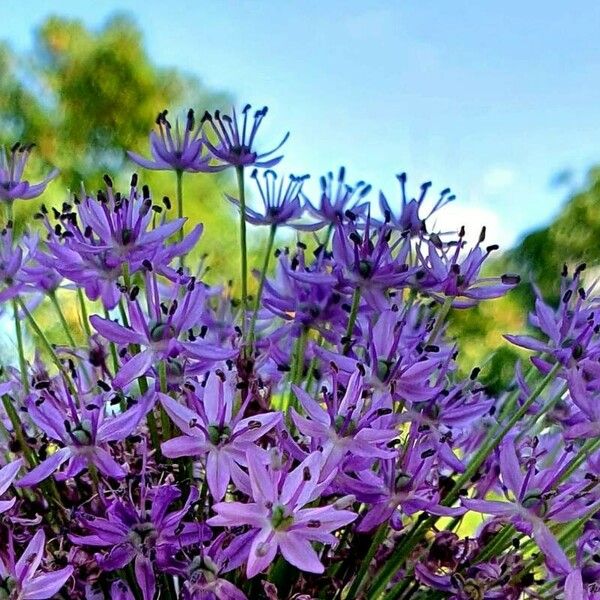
x: 150, y: 418
x: 112, y: 346
x: 20, y: 349
x: 47, y: 345
x: 62, y: 318
x: 359, y: 581
x: 239, y: 171
x: 261, y: 285
x: 164, y: 419
x: 352, y: 319
x: 17, y: 426
x: 179, y: 175
x: 84, y: 314
x: 296, y: 372
x: 440, y: 319
x: 9, y: 211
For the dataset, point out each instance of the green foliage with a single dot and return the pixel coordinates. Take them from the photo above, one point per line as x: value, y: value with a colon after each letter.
x: 85, y: 97
x: 572, y: 238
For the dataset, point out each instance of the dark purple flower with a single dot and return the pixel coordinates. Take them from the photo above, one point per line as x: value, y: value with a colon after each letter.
x: 280, y: 516
x: 82, y: 433
x: 20, y: 578
x: 166, y: 333
x: 175, y: 152
x: 146, y: 536
x: 12, y: 166
x: 281, y: 203
x: 334, y: 204
x: 409, y: 220
x: 234, y: 144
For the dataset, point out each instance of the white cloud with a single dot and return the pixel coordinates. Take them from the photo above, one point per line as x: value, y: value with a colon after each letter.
x: 497, y: 179
x: 473, y: 217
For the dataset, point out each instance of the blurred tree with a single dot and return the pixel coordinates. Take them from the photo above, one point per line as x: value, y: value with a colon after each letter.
x: 572, y: 238
x: 84, y: 97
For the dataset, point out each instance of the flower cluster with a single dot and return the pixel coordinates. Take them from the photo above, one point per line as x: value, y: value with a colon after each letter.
x: 315, y: 439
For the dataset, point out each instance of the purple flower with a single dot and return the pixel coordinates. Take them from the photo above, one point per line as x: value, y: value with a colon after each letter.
x: 8, y: 474
x: 402, y: 488
x: 445, y: 273
x: 373, y: 263
x: 334, y: 204
x: 234, y: 145
x: 533, y: 500
x: 212, y: 429
x: 165, y: 334
x: 349, y: 426
x: 92, y: 246
x: 203, y: 573
x: 280, y: 517
x: 304, y: 296
x: 175, y: 153
x: 82, y: 433
x: 12, y: 166
x: 145, y: 536
x: 12, y: 260
x: 21, y: 580
x: 409, y: 221
x: 281, y: 203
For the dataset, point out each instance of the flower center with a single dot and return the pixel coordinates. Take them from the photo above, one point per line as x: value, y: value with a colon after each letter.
x: 218, y: 435
x: 280, y: 520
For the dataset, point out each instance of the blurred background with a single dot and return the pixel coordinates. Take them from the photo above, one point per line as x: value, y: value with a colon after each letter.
x: 498, y: 101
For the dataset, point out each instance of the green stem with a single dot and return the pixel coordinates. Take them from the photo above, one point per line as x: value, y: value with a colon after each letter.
x: 296, y: 372
x: 164, y: 419
x: 359, y: 581
x: 179, y: 175
x: 528, y: 427
x: 261, y: 285
x: 9, y: 211
x: 84, y: 314
x: 150, y: 418
x: 112, y: 346
x: 13, y: 415
x: 352, y: 319
x: 492, y: 441
x: 47, y: 345
x: 239, y: 171
x: 440, y: 320
x: 500, y: 541
x: 62, y: 318
x: 20, y: 349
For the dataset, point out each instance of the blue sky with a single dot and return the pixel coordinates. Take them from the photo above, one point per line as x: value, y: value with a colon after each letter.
x: 489, y: 98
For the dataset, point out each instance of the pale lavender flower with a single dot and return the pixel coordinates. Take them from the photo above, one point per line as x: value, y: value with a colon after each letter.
x: 8, y: 474
x: 215, y: 430
x: 281, y: 517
